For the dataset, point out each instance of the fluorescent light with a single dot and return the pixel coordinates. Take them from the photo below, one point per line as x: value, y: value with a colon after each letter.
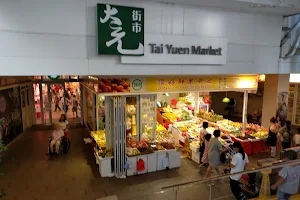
x: 167, y: 94
x: 295, y: 78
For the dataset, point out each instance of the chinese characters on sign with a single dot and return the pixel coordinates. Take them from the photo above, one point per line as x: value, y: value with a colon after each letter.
x: 120, y: 30
x: 136, y: 18
x: 199, y: 83
x: 182, y: 84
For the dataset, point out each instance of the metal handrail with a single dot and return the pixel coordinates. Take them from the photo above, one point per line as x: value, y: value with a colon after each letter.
x: 287, y: 163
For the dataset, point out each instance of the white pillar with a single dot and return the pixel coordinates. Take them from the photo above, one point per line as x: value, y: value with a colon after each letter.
x: 196, y: 103
x: 274, y: 84
x: 245, y: 112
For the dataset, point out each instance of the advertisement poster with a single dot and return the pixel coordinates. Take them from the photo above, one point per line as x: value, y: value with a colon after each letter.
x: 281, y: 112
x: 10, y: 114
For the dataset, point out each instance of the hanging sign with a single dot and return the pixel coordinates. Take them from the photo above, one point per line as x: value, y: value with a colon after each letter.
x: 120, y: 30
x: 200, y: 83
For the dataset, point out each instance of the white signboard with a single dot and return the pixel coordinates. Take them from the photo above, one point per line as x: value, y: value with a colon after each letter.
x: 172, y: 49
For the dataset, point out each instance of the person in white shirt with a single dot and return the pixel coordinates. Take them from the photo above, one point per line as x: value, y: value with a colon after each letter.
x: 64, y: 124
x: 296, y: 138
x: 238, y: 163
x: 56, y: 137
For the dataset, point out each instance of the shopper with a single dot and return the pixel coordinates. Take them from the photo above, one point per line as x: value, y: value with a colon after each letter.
x: 203, y: 132
x: 286, y: 135
x: 64, y: 124
x: 238, y: 163
x: 289, y: 177
x: 214, y: 150
x: 65, y: 104
x: 75, y: 106
x: 230, y: 107
x: 296, y: 138
x: 56, y: 137
x: 272, y: 137
x: 57, y: 101
x: 205, y: 160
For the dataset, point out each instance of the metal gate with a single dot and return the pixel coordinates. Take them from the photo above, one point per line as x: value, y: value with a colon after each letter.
x: 117, y: 129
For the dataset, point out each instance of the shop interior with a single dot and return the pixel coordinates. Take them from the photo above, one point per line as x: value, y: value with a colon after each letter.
x: 157, y: 130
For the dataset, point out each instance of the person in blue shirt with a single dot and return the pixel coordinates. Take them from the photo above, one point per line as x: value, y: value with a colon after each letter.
x: 289, y: 177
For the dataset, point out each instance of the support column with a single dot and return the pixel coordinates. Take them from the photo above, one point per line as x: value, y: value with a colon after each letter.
x: 245, y: 106
x: 196, y: 103
x: 275, y: 92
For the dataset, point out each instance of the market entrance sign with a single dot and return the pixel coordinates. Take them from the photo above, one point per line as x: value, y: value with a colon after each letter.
x: 120, y: 30
x: 175, y: 49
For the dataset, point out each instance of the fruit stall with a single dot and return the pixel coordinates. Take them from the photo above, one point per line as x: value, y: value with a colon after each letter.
x: 136, y: 132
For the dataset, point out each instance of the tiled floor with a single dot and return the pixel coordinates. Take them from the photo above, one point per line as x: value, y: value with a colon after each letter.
x: 30, y: 174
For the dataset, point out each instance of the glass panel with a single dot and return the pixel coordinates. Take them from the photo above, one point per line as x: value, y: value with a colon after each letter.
x: 89, y: 108
x: 37, y: 102
x: 59, y: 101
x: 292, y: 90
x: 46, y: 104
x: 148, y: 119
x: 101, y: 112
x: 131, y: 116
x: 297, y: 117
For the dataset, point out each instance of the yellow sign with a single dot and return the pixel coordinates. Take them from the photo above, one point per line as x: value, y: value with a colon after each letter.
x: 177, y: 84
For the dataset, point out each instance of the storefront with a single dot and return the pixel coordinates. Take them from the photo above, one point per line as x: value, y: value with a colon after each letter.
x: 155, y: 121
x: 16, y: 107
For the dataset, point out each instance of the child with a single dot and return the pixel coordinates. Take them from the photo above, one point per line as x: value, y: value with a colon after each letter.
x: 288, y: 183
x: 204, y: 160
x: 297, y: 138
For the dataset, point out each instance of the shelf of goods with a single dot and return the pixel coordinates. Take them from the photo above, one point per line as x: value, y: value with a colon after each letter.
x: 252, y: 139
x: 156, y: 155
x: 187, y: 134
x: 102, y: 155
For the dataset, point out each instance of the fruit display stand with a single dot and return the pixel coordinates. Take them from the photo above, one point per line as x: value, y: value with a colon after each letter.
x: 105, y: 164
x: 102, y: 155
x: 245, y: 143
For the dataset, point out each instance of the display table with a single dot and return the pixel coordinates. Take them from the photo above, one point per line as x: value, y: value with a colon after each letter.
x: 157, y: 161
x: 105, y: 168
x: 247, y: 145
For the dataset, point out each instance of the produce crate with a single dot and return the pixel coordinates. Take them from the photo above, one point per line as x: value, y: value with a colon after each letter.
x: 196, y: 157
x: 133, y: 161
x: 160, y: 157
x: 195, y: 149
x: 174, y: 159
x: 152, y: 159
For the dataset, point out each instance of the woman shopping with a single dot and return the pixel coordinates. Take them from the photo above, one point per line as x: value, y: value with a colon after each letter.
x: 203, y: 133
x: 214, y: 150
x: 238, y: 163
x: 204, y: 160
x: 272, y: 137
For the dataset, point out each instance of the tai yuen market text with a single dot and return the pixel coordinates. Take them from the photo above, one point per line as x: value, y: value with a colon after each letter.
x: 170, y: 49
